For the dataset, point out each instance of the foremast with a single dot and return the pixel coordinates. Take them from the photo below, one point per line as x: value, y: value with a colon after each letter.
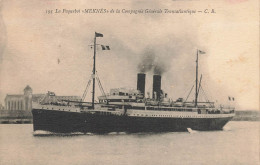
x: 94, y: 68
x: 196, y: 90
x: 94, y: 73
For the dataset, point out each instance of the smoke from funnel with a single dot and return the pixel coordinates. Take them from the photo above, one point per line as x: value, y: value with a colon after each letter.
x: 150, y: 61
x: 159, y: 68
x: 147, y: 61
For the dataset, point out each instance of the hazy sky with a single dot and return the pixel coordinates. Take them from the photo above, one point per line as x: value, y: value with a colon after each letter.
x: 32, y: 41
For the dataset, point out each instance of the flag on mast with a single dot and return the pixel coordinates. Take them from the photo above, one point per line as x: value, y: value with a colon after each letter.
x: 105, y: 47
x: 98, y: 34
x: 201, y: 52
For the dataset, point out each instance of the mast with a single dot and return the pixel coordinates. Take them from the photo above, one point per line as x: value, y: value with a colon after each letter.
x: 196, y: 90
x: 94, y: 73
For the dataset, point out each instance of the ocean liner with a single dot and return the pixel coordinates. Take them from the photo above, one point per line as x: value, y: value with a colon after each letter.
x: 128, y: 110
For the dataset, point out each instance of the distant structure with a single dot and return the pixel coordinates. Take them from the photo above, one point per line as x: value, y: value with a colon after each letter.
x: 19, y: 102
x: 51, y: 98
x: 2, y: 107
x: 24, y: 101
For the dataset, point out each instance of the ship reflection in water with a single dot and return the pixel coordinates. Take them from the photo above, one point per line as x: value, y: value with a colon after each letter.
x: 238, y: 143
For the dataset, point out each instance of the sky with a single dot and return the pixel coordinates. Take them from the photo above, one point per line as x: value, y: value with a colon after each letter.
x: 33, y: 41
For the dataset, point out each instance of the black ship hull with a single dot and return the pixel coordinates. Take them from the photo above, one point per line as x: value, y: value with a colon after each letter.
x: 69, y: 122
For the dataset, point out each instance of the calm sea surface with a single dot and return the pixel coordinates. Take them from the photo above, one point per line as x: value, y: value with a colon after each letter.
x: 237, y: 144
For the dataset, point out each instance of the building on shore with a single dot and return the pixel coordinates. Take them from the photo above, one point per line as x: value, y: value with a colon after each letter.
x: 2, y: 107
x: 19, y: 101
x: 24, y: 101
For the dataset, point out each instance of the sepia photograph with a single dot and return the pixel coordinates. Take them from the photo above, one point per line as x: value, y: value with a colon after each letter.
x: 129, y: 82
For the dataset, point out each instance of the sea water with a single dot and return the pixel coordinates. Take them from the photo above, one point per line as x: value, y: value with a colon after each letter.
x: 237, y: 144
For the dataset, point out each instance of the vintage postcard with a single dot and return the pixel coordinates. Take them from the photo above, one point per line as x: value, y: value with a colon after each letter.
x: 129, y: 82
